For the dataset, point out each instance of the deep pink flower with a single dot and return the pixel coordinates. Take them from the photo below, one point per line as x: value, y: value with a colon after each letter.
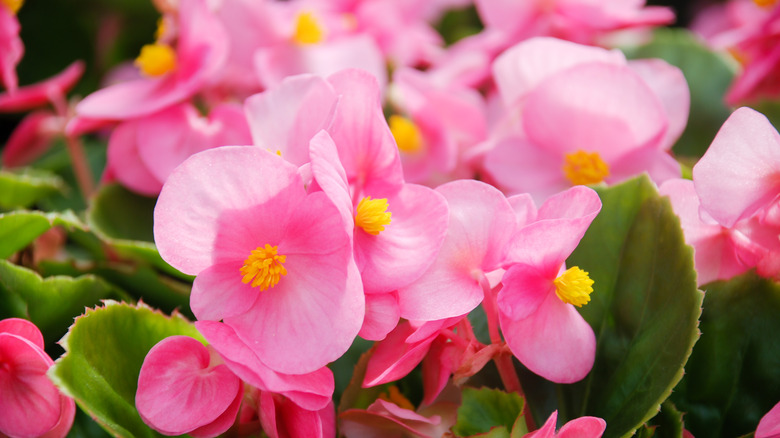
x: 621, y: 118
x: 536, y: 303
x: 49, y: 91
x: 769, y: 426
x: 281, y: 418
x: 583, y: 427
x: 11, y: 47
x: 184, y: 387
x: 272, y: 262
x: 31, y: 405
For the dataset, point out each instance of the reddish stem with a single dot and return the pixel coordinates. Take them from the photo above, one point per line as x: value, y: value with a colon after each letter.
x: 80, y: 167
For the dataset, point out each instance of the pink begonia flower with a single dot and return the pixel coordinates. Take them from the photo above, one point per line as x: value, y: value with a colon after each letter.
x: 272, y: 262
x: 536, y: 303
x: 31, y: 405
x: 281, y: 418
x: 311, y: 391
x: 769, y: 426
x: 48, y: 91
x: 750, y: 31
x: 184, y: 387
x: 620, y: 118
x: 435, y: 126
x: 11, y: 47
x: 142, y: 152
x: 482, y: 223
x: 316, y: 39
x: 580, y: 21
x: 583, y: 427
x: 386, y: 419
x: 174, y: 76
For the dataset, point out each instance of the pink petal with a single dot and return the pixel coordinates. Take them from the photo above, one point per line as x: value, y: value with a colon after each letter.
x: 381, y: 316
x: 657, y: 163
x: 24, y: 329
x: 218, y: 293
x: 769, y: 426
x: 331, y: 177
x: 218, y: 197
x: 547, y: 430
x: 393, y: 357
x: 555, y: 342
x: 42, y: 93
x: 179, y: 390
x: 31, y: 403
x: 401, y: 253
x: 605, y: 108
x: 125, y: 162
x: 287, y: 116
x: 522, y: 68
x: 31, y: 138
x: 311, y: 391
x: 740, y: 171
x: 67, y: 415
x: 583, y: 427
x: 310, y: 318
x: 524, y: 289
x: 223, y: 422
x: 281, y: 418
x: 11, y: 49
x: 524, y: 207
x: 481, y: 224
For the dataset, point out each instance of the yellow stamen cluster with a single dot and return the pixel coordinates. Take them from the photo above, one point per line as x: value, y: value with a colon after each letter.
x: 13, y: 5
x: 372, y: 215
x: 765, y: 3
x: 156, y: 59
x: 264, y: 267
x: 574, y: 286
x: 407, y: 134
x: 582, y: 168
x: 307, y: 29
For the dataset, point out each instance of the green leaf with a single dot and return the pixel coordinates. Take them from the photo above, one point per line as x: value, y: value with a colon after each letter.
x: 19, y: 228
x: 733, y: 377
x: 485, y: 408
x: 24, y: 187
x: 708, y: 74
x: 50, y: 303
x: 104, y: 351
x: 669, y: 422
x: 125, y: 220
x: 644, y: 310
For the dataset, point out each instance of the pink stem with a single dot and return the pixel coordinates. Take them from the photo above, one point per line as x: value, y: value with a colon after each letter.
x: 80, y: 167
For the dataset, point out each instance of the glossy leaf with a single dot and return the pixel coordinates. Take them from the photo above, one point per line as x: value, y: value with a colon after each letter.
x: 644, y: 309
x: 24, y: 187
x: 708, y: 74
x: 733, y: 376
x: 484, y: 409
x: 19, y: 228
x: 104, y: 351
x: 51, y: 303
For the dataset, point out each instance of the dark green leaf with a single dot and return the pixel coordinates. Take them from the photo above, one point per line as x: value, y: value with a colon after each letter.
x: 669, y: 422
x: 485, y: 408
x: 24, y: 187
x: 50, y: 303
x: 733, y: 376
x: 105, y: 349
x: 708, y: 74
x: 644, y: 310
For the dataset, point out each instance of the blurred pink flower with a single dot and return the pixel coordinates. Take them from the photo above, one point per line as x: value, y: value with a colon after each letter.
x: 31, y: 405
x: 184, y: 387
x: 769, y: 426
x: 387, y: 419
x: 583, y: 427
x: 272, y: 262
x: 11, y: 47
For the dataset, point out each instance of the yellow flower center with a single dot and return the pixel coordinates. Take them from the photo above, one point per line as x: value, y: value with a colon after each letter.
x: 264, y: 267
x: 13, y: 5
x: 406, y: 133
x: 307, y: 29
x: 585, y: 168
x: 574, y: 286
x: 156, y: 59
x: 372, y: 215
x: 765, y: 3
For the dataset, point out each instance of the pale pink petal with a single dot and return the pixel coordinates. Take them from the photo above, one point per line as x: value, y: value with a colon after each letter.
x: 393, y: 357
x: 287, y: 116
x: 555, y: 342
x: 740, y: 172
x: 668, y: 83
x: 481, y: 224
x: 222, y: 192
x: 30, y: 403
x: 125, y: 162
x: 657, y: 163
x: 506, y: 15
x: 520, y: 69
x: 179, y: 390
x: 524, y: 207
x: 310, y: 318
x: 218, y: 293
x: 382, y: 315
x: 310, y: 391
x: 524, y: 289
x: 578, y: 203
x: 583, y: 427
x: 50, y: 90
x: 331, y: 177
x: 769, y: 426
x: 24, y: 329
x: 604, y: 108
x: 401, y: 253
